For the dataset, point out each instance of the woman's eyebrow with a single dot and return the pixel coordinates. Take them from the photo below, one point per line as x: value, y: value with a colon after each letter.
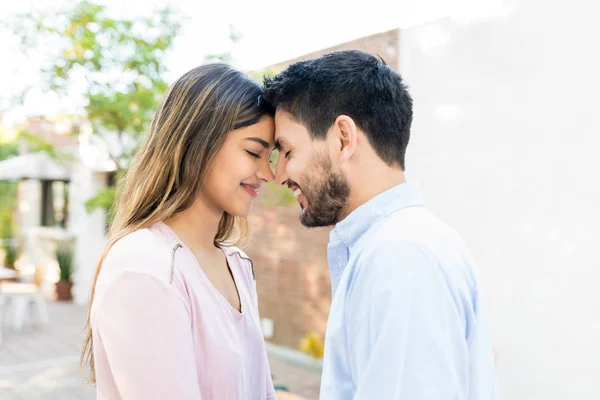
x: 259, y: 141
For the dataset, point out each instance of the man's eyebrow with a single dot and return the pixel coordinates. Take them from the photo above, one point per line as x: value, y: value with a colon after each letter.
x: 279, y: 143
x: 260, y: 141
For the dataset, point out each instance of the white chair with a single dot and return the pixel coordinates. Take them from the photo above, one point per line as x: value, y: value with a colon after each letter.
x: 5, y: 273
x: 21, y: 294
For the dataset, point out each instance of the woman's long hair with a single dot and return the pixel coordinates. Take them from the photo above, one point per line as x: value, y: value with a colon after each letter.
x: 164, y: 179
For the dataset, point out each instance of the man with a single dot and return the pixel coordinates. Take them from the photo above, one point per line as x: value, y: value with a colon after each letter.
x: 406, y: 319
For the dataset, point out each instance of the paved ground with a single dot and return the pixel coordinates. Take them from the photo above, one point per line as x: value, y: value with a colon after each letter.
x: 41, y: 362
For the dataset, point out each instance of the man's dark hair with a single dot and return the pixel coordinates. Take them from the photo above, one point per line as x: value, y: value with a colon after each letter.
x: 352, y: 83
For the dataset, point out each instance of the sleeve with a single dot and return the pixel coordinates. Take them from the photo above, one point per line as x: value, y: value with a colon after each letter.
x: 144, y: 325
x: 408, y: 339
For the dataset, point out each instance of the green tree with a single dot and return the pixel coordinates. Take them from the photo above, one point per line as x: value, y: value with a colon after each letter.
x: 115, y: 65
x: 8, y: 190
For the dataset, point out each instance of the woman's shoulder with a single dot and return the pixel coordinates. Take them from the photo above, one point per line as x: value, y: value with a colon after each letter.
x: 232, y: 251
x: 139, y: 261
x: 145, y: 251
x: 243, y: 259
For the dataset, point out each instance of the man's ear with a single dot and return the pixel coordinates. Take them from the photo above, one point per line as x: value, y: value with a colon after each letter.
x: 347, y: 137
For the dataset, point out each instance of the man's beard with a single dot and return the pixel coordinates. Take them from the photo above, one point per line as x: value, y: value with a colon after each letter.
x: 326, y: 193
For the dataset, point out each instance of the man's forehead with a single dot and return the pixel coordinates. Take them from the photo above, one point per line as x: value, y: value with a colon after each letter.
x: 284, y: 126
x: 287, y: 129
x: 286, y: 120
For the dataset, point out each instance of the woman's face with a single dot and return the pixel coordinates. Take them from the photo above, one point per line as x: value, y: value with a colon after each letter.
x: 240, y: 168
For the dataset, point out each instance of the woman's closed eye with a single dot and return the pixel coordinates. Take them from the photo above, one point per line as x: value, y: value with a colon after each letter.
x: 253, y: 154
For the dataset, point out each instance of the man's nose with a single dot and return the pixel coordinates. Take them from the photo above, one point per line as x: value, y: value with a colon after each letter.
x: 280, y: 174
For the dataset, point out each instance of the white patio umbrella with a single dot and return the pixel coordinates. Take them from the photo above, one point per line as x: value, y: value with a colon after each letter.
x: 33, y: 166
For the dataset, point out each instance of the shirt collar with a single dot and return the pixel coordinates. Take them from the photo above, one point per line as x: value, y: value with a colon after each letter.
x: 362, y: 218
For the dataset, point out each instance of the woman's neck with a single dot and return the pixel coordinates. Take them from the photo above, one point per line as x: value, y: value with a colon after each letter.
x: 197, y: 226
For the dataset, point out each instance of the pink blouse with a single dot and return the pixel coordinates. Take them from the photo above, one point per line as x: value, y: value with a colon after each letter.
x: 162, y: 331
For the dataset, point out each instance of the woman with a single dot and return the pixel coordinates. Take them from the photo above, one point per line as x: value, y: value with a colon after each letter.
x: 174, y: 310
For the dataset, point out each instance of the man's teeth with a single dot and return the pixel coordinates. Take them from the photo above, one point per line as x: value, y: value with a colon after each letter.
x: 297, y: 192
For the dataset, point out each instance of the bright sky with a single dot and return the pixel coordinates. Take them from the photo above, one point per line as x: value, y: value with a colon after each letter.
x: 272, y: 31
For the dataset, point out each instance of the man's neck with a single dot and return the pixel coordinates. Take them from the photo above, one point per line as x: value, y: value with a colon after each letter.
x: 371, y: 184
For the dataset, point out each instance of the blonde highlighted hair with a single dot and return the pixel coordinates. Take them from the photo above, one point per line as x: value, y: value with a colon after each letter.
x: 165, y: 177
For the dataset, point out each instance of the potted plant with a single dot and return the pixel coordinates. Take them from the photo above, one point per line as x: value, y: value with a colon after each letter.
x: 10, y: 256
x: 64, y: 257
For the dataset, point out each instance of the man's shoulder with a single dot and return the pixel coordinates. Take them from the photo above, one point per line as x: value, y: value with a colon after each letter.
x: 414, y: 239
x: 415, y: 225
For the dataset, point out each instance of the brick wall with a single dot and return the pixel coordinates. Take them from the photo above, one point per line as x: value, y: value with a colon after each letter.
x: 290, y: 263
x: 385, y: 44
x: 57, y: 133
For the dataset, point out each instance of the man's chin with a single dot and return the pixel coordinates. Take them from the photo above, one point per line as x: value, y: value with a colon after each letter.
x: 309, y: 221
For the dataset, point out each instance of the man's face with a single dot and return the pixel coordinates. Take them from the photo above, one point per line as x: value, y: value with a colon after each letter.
x: 305, y: 166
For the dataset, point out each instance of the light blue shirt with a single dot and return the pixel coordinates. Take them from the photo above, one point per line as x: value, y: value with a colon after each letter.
x: 407, y: 320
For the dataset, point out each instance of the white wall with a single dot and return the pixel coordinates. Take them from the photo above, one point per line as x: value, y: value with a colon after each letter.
x: 87, y: 228
x: 30, y: 199
x: 505, y: 144
x: 29, y: 217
